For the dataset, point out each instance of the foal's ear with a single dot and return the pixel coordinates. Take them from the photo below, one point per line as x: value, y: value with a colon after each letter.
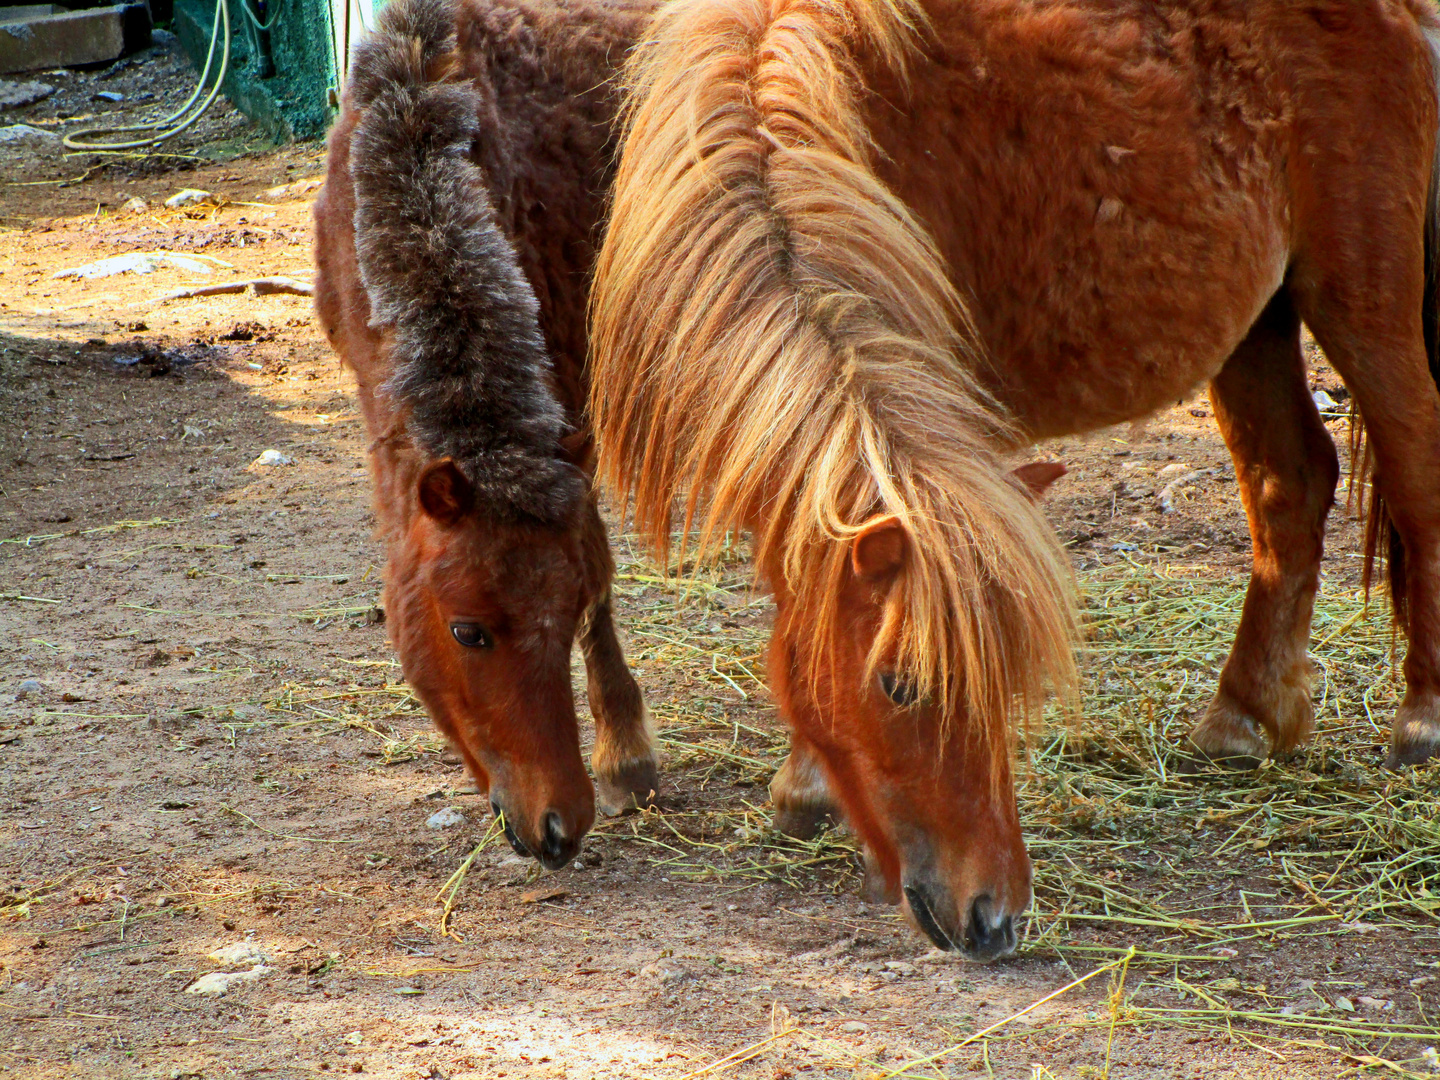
x: 878, y: 551
x: 445, y: 494
x: 1037, y: 476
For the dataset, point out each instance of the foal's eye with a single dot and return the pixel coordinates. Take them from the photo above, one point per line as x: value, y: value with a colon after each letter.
x: 900, y: 691
x: 471, y: 634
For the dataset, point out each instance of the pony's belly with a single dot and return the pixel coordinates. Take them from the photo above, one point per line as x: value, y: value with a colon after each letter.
x: 1115, y: 213
x: 1131, y: 329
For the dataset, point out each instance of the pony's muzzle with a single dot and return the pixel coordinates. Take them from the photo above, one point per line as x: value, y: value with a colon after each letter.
x: 986, y: 933
x: 554, y: 845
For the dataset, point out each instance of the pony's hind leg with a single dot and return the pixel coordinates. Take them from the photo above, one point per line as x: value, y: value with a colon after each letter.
x: 1380, y: 351
x: 1286, y: 465
x: 627, y: 773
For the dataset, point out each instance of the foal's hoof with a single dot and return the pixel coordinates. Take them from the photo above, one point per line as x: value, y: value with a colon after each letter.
x: 631, y: 786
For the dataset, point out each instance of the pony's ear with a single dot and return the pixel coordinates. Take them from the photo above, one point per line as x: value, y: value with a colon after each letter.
x: 1037, y: 476
x: 445, y: 494
x: 578, y: 448
x: 879, y: 549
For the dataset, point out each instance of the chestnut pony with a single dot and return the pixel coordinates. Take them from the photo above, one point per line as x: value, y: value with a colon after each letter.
x: 860, y: 250
x: 454, y: 240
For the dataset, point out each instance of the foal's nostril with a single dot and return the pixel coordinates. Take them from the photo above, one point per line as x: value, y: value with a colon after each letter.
x: 556, y: 847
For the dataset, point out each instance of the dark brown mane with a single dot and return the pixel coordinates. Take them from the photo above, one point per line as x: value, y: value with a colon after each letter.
x: 469, y: 357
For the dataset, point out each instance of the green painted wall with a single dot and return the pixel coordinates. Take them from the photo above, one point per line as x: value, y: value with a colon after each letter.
x: 294, y: 103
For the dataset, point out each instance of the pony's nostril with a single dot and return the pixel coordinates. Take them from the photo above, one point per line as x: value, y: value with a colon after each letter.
x: 985, y: 935
x: 556, y: 847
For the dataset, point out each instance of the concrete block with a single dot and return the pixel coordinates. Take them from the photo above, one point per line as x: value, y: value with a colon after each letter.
x: 74, y: 38
x: 26, y: 12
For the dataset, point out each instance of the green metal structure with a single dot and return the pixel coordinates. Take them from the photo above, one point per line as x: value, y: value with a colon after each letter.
x: 287, y: 57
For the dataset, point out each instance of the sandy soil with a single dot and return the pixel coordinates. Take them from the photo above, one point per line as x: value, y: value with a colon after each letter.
x: 220, y: 751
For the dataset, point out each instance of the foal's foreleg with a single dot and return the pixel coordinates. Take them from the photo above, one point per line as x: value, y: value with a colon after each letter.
x: 1286, y: 466
x: 626, y: 771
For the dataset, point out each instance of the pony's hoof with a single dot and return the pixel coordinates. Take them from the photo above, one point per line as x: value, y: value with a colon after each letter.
x: 800, y: 795
x: 631, y: 786
x: 1191, y: 760
x: 1414, y: 741
x: 802, y: 821
x: 1227, y: 738
x: 875, y: 889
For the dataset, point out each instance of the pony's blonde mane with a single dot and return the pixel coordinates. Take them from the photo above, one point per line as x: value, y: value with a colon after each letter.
x: 776, y: 339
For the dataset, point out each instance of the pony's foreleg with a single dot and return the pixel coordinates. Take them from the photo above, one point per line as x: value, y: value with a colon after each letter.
x: 627, y: 773
x: 1286, y: 465
x: 799, y: 793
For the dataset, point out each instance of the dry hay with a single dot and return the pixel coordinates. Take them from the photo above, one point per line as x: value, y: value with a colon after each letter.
x: 1137, y: 866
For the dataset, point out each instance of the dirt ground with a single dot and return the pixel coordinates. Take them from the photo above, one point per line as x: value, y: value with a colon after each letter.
x: 206, y: 629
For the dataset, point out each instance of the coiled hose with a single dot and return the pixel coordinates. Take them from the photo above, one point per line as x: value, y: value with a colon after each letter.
x: 91, y: 139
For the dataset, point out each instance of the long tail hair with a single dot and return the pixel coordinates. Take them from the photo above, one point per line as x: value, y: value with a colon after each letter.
x: 775, y: 339
x: 469, y: 357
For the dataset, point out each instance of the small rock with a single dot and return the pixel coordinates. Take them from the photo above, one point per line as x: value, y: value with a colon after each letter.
x: 28, y: 687
x: 854, y: 1027
x: 446, y: 818
x: 187, y: 197
x: 135, y: 205
x: 668, y: 972
x: 1424, y: 980
x: 273, y: 457
x: 290, y: 191
x: 1174, y: 469
x: 900, y: 967
x: 240, y: 954
x: 15, y: 95
x: 24, y: 132
x: 108, y: 95
x: 1324, y: 401
x: 220, y: 983
x: 1378, y: 1004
